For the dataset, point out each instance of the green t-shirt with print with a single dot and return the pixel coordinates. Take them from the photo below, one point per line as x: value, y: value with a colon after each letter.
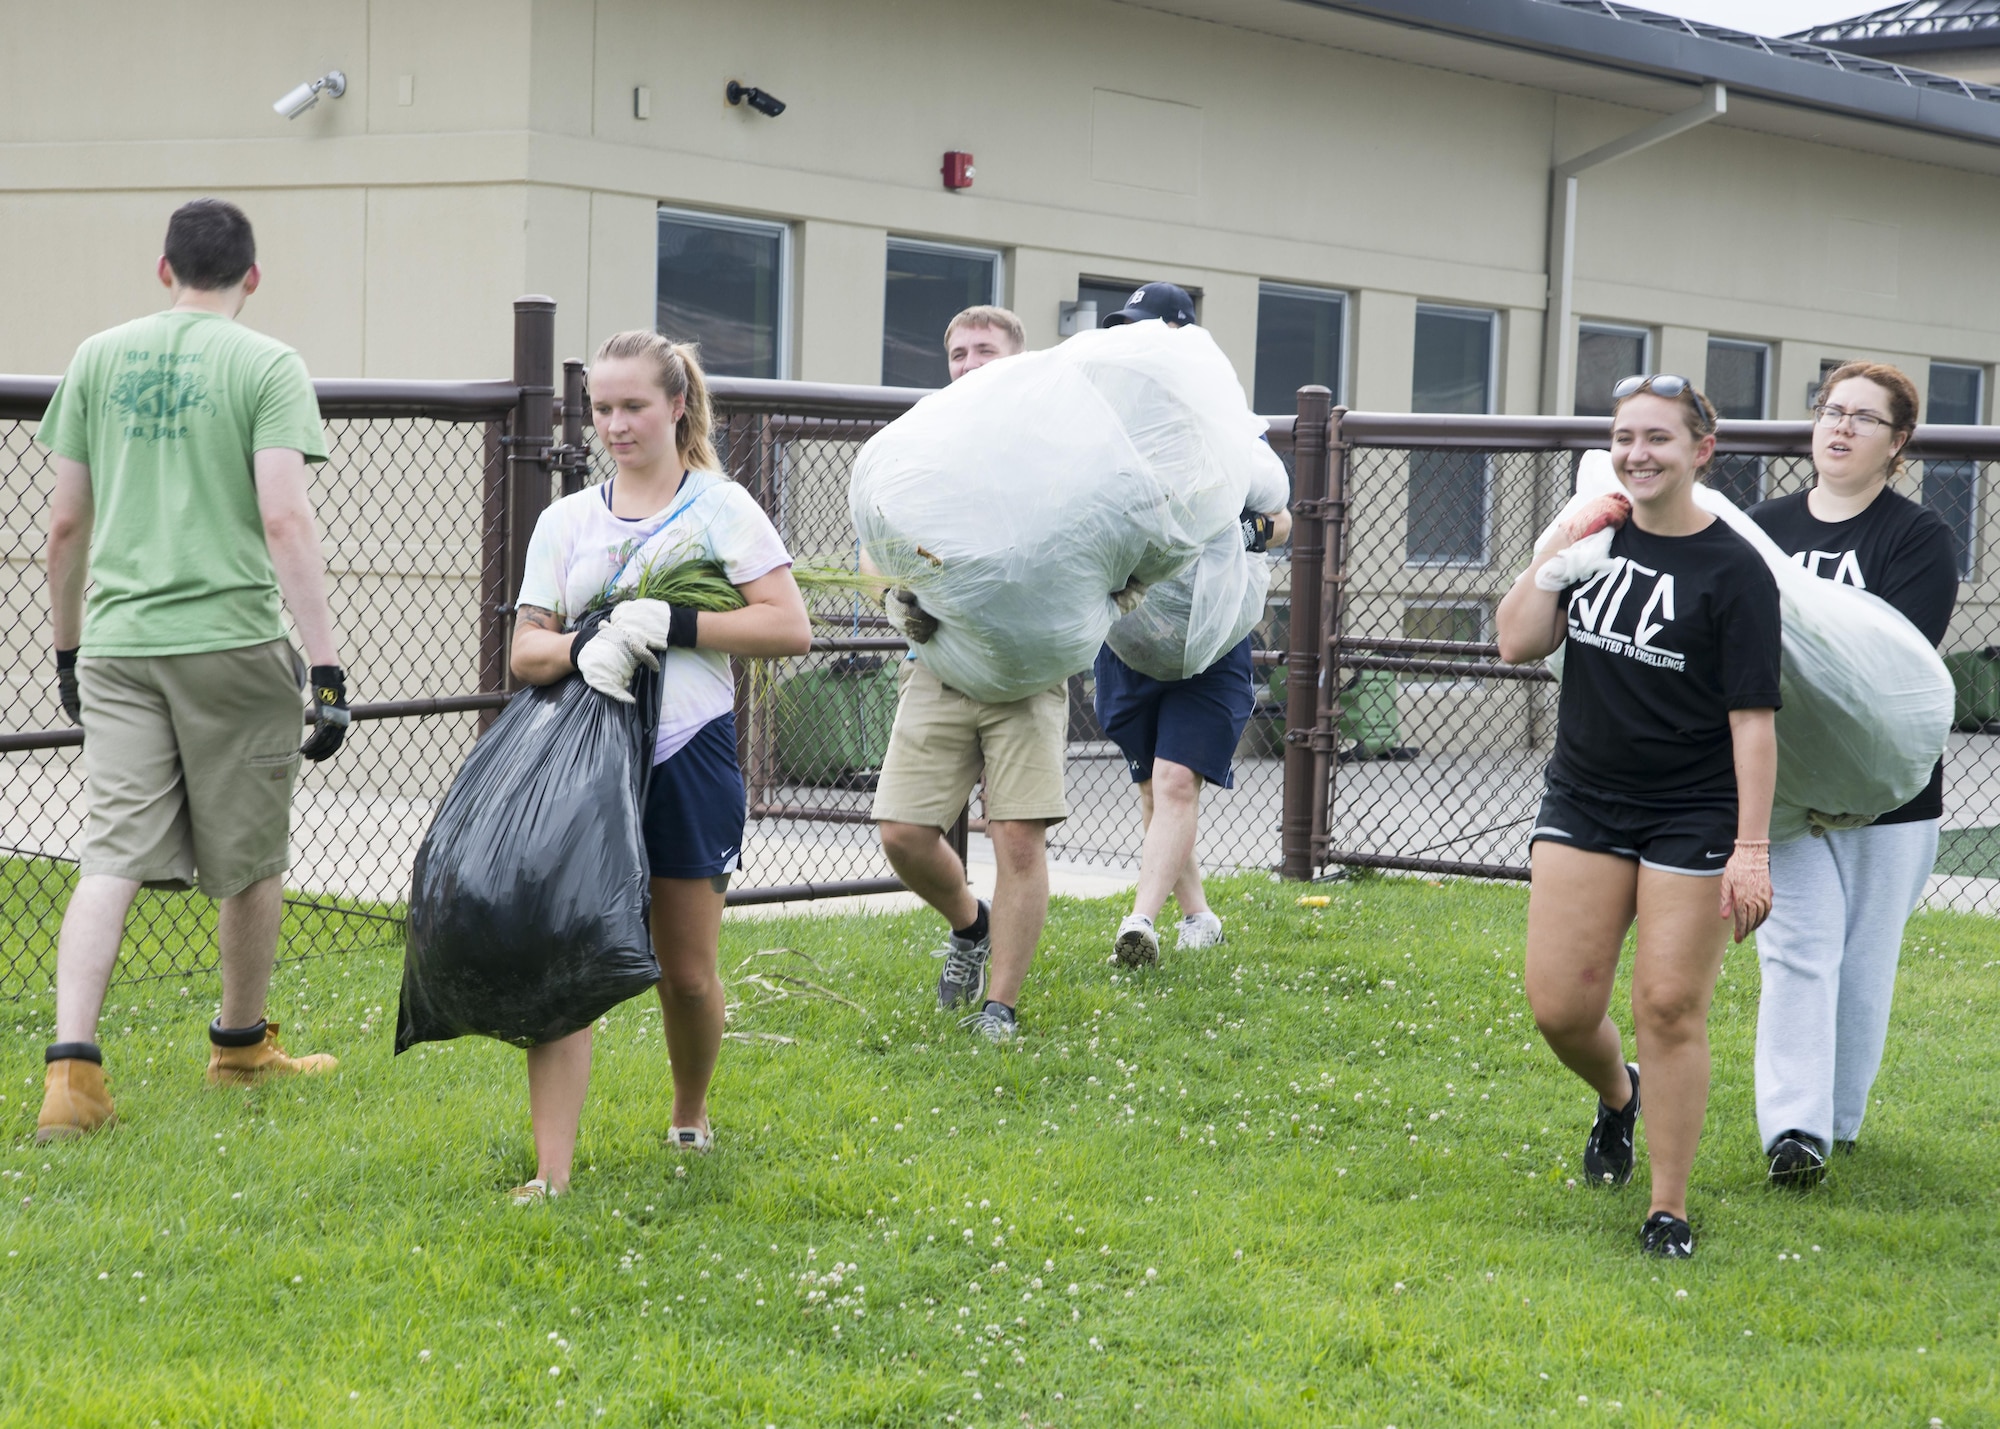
x: 168, y: 413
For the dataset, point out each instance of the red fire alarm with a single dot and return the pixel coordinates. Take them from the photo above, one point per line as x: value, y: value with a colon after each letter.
x: 957, y: 170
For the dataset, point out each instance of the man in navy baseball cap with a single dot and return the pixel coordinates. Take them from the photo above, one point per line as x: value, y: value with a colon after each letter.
x: 1164, y: 301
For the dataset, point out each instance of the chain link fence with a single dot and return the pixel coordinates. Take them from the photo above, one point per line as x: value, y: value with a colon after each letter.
x: 1432, y: 750
x: 426, y: 503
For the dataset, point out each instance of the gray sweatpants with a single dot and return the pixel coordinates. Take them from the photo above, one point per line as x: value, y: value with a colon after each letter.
x: 1828, y: 957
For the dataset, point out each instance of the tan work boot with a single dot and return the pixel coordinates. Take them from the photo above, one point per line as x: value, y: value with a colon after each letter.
x: 75, y: 1102
x: 260, y: 1061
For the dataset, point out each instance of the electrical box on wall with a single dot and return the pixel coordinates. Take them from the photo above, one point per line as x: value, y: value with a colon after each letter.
x: 957, y: 169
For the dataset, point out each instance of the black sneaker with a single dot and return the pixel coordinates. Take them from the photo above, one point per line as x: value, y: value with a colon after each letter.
x: 1668, y: 1236
x: 1797, y: 1161
x: 1607, y: 1152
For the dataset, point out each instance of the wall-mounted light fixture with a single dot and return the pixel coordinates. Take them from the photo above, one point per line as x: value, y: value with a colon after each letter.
x: 332, y: 84
x: 768, y: 105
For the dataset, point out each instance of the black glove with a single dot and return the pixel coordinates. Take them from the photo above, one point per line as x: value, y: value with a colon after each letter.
x: 1257, y: 530
x: 66, y: 691
x: 329, y: 712
x: 909, y: 619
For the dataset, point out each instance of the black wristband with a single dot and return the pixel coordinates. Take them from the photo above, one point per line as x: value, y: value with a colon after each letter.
x: 680, y: 627
x: 583, y: 638
x: 66, y: 659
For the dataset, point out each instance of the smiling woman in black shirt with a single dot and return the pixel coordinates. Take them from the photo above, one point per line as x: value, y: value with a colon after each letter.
x: 1658, y: 801
x: 1828, y: 955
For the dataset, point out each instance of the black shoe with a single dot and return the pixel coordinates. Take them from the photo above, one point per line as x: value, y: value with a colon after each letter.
x: 1797, y: 1161
x: 1846, y: 1148
x: 1607, y: 1152
x: 1668, y: 1236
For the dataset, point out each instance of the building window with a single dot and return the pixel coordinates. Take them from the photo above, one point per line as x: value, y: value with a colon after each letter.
x: 1461, y: 622
x: 1449, y: 505
x: 928, y: 285
x: 1299, y: 344
x: 1738, y: 383
x: 1951, y: 488
x: 725, y: 283
x: 1605, y: 356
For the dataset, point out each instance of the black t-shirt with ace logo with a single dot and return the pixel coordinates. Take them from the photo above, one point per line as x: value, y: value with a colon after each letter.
x: 1657, y: 651
x: 1895, y: 548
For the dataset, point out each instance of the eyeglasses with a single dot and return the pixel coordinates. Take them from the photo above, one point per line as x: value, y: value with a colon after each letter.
x: 1660, y: 384
x: 1865, y: 423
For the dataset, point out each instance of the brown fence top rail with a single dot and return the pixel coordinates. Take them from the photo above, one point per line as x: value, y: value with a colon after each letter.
x: 24, y: 399
x: 1498, y: 433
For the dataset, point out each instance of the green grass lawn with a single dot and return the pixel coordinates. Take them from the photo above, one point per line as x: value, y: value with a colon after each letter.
x: 1321, y: 1175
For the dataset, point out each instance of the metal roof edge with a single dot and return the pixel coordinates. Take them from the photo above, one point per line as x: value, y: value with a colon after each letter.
x: 1571, y: 33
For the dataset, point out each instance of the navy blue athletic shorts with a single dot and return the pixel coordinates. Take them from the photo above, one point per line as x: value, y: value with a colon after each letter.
x: 1677, y: 834
x: 1195, y: 722
x: 695, y: 807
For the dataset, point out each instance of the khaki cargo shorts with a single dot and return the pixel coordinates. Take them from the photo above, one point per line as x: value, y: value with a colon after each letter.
x: 943, y: 740
x: 189, y: 762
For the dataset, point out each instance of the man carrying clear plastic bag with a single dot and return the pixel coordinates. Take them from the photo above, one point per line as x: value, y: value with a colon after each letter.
x: 1180, y: 734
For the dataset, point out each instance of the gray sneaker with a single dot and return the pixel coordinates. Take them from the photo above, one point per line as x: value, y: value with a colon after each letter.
x: 995, y: 1022
x: 963, y: 978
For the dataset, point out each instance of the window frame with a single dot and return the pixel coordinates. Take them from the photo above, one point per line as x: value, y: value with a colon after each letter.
x: 781, y: 345
x: 1343, y: 298
x: 1764, y: 399
x: 1614, y: 329
x: 955, y: 250
x: 1484, y: 560
x: 1968, y: 566
x: 1481, y: 605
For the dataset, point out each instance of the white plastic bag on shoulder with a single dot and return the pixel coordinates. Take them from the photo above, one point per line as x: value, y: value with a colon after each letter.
x: 1867, y: 703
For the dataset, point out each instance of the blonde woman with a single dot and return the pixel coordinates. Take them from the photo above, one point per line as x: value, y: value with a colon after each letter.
x: 667, y: 501
x: 1658, y: 803
x: 1828, y: 955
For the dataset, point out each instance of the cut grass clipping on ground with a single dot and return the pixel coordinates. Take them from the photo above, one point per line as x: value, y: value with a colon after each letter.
x: 1323, y: 1174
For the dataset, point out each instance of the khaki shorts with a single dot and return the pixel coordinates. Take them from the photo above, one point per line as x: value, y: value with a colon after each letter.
x: 189, y: 762
x: 943, y: 740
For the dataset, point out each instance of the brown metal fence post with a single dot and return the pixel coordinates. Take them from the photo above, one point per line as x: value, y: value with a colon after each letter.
x: 532, y: 434
x: 1309, y: 452
x: 574, y: 456
x: 493, y: 565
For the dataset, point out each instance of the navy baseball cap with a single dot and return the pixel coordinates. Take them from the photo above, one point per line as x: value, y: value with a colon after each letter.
x: 1155, y: 300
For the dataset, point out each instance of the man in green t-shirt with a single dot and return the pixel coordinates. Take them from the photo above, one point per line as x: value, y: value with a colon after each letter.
x: 180, y: 444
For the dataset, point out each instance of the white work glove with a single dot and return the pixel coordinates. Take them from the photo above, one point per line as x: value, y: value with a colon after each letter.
x: 1582, y: 538
x: 647, y: 619
x: 610, y: 658
x: 909, y: 619
x: 1128, y: 597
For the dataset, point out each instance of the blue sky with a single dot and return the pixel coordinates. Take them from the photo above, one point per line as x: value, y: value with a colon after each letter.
x: 1763, y: 17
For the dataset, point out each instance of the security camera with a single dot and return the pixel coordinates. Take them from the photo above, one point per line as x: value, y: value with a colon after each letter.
x: 333, y: 84
x: 768, y: 105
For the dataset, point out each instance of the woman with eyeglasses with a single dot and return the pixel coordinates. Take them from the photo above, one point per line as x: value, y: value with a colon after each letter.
x: 1657, y: 805
x: 1829, y: 951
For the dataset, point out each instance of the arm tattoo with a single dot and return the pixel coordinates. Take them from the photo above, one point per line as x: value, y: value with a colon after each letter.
x: 533, y: 617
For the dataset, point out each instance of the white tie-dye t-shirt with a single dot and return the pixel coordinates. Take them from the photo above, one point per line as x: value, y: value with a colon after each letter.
x: 581, y: 551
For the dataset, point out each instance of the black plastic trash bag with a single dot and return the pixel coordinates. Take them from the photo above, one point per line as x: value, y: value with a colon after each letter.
x: 529, y: 898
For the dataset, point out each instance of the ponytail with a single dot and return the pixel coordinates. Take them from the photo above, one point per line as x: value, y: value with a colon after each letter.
x: 680, y: 375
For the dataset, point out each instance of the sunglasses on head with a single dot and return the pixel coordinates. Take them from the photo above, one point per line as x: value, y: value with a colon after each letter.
x: 1660, y: 384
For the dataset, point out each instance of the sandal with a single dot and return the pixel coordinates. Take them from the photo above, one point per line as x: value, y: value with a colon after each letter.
x: 698, y: 1139
x: 533, y: 1193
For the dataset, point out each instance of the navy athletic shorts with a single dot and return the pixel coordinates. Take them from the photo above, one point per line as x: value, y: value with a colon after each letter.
x: 1195, y: 722
x: 1677, y: 835
x: 695, y: 807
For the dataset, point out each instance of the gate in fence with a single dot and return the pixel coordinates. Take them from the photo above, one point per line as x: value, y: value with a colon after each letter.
x: 426, y: 503
x: 1426, y: 750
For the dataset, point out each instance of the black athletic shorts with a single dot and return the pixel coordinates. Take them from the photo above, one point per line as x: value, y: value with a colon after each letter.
x: 1676, y: 835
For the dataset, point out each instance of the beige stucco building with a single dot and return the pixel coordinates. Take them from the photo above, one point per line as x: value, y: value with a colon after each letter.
x: 1387, y: 158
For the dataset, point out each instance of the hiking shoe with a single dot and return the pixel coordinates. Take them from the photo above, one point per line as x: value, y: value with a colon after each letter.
x: 963, y: 978
x: 1138, y: 946
x: 248, y: 1063
x: 1607, y: 1152
x: 74, y: 1101
x: 1202, y: 930
x: 1797, y: 1162
x: 995, y: 1022
x: 1668, y: 1236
